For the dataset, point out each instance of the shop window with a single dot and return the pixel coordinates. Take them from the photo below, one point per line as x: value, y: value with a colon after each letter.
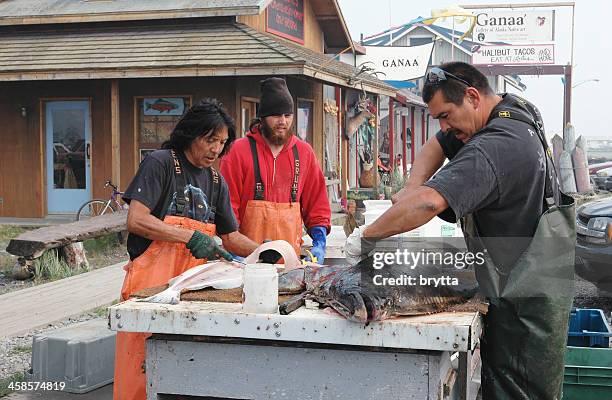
x: 248, y: 112
x: 304, y: 120
x: 156, y: 119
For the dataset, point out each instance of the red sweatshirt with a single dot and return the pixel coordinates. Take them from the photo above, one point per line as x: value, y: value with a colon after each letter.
x: 277, y: 178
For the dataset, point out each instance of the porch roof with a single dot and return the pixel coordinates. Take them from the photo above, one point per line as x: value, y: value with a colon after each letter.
x: 180, y: 50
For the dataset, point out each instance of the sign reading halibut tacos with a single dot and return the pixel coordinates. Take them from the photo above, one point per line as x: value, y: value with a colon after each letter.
x: 285, y: 18
x: 514, y: 55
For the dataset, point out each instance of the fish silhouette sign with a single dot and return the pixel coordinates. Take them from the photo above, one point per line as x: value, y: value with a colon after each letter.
x: 164, y: 106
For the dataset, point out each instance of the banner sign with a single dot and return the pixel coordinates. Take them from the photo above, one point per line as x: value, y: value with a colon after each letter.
x: 514, y: 55
x: 398, y: 63
x: 514, y: 26
x: 285, y: 18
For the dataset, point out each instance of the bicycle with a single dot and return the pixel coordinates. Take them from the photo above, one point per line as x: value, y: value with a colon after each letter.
x: 96, y: 207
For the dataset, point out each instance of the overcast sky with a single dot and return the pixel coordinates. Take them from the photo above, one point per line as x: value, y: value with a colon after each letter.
x: 592, y: 55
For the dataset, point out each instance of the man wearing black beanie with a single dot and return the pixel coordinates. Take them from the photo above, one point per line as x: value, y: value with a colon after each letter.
x: 274, y: 179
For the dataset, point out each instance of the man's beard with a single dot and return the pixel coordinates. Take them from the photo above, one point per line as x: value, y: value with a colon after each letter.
x: 268, y: 133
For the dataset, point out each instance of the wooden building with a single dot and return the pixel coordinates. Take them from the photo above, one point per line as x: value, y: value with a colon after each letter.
x: 87, y: 88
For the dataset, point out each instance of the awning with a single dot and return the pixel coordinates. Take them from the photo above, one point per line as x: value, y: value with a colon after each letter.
x: 401, y: 84
x: 406, y: 97
x: 181, y: 50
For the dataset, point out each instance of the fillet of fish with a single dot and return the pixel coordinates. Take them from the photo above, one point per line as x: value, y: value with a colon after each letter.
x: 215, y: 274
x: 220, y: 274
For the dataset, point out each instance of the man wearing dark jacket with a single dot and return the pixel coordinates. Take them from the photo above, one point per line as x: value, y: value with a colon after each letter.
x: 500, y: 182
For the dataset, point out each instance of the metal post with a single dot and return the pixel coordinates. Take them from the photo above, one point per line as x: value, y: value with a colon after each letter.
x: 453, y: 41
x: 391, y: 133
x: 375, y: 146
x: 341, y: 158
x: 423, y: 140
x: 404, y: 144
x: 115, y: 133
x: 357, y: 158
x: 567, y: 96
x: 412, y: 135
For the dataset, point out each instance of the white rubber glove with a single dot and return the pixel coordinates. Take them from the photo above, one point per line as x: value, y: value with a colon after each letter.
x: 356, y: 248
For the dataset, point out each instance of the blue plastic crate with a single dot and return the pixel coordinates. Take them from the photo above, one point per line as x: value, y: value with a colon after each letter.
x: 588, y: 327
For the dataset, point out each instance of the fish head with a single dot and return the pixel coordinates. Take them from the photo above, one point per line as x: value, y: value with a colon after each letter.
x: 350, y: 305
x: 341, y: 290
x: 378, y: 308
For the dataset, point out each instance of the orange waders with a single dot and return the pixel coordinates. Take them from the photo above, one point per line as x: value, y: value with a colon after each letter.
x: 161, y: 262
x: 269, y: 220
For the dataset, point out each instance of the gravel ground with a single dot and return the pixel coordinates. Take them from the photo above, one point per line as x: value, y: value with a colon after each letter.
x: 16, y: 353
x: 8, y: 284
x: 587, y: 296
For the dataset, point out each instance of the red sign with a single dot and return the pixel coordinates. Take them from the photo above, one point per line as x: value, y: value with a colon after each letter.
x: 285, y: 18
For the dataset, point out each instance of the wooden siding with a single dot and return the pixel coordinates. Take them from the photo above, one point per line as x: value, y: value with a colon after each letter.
x: 313, y: 35
x: 220, y: 88
x: 20, y: 184
x: 22, y: 166
x: 22, y: 160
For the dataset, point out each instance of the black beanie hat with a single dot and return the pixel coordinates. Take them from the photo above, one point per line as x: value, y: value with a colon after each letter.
x: 275, y: 98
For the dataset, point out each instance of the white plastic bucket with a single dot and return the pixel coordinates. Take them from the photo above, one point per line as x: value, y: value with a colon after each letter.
x: 260, y: 291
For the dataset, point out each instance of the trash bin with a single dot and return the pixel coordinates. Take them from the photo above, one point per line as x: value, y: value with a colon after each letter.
x: 82, y: 356
x: 588, y: 327
x: 588, y: 374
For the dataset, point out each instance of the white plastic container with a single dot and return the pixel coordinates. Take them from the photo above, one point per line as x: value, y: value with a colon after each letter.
x: 377, y: 204
x: 260, y: 291
x: 372, y: 215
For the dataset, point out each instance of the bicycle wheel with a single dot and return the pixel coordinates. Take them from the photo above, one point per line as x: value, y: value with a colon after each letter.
x: 93, y: 208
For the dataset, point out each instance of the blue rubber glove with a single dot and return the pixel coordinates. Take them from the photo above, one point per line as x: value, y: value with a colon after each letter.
x: 236, y: 258
x: 319, y: 241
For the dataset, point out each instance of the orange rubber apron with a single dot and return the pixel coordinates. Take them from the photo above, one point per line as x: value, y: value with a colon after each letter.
x: 269, y: 220
x: 161, y: 262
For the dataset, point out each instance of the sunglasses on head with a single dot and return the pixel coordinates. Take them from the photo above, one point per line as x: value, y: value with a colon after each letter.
x: 437, y: 75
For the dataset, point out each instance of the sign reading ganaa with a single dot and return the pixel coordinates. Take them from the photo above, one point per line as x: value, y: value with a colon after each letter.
x: 398, y: 63
x: 285, y: 18
x: 514, y: 55
x: 514, y: 26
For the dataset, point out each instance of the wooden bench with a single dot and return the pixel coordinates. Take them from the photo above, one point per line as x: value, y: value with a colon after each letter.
x: 32, y: 244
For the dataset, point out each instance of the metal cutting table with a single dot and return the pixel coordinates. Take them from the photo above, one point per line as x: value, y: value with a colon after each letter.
x: 214, y: 350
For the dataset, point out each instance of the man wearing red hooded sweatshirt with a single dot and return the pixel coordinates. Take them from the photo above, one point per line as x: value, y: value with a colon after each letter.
x: 274, y: 179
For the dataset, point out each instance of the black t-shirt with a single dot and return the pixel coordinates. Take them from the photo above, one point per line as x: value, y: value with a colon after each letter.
x: 498, y: 176
x: 154, y: 186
